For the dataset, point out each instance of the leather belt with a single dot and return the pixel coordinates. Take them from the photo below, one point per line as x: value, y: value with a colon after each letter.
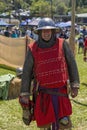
x: 53, y: 92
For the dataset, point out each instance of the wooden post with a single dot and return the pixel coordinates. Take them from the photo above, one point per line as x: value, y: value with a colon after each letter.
x: 51, y: 9
x: 26, y: 44
x: 72, y: 35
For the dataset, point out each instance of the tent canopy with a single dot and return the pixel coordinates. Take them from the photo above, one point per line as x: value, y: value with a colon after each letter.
x: 64, y: 24
x: 23, y: 23
x: 34, y: 22
x: 30, y: 22
x: 3, y: 23
x: 26, y: 22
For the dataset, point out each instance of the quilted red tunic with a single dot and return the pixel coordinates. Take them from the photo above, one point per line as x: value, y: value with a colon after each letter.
x: 50, y: 70
x: 50, y: 67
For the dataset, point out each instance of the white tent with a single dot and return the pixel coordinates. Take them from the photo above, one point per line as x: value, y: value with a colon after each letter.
x: 3, y: 23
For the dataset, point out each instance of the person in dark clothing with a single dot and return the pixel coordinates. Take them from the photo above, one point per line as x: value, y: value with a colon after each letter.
x: 53, y: 65
x: 84, y: 31
x: 63, y: 35
x: 85, y: 49
x: 7, y: 32
x: 80, y: 43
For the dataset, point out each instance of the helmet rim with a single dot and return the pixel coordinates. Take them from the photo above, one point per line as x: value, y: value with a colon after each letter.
x: 45, y: 23
x: 46, y: 27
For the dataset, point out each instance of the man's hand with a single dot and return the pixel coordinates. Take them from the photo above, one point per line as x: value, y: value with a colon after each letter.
x: 26, y: 117
x: 24, y: 102
x: 74, y: 92
x: 27, y: 107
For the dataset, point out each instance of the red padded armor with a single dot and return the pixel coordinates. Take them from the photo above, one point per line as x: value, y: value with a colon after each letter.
x: 50, y: 66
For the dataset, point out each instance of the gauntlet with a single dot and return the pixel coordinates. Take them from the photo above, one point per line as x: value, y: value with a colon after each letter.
x: 28, y: 109
x: 74, y: 92
x: 26, y: 116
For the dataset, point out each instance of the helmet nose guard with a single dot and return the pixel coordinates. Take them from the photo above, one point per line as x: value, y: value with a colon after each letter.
x: 45, y: 23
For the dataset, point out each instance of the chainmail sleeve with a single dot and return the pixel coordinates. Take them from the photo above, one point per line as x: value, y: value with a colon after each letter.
x: 72, y: 66
x: 27, y: 73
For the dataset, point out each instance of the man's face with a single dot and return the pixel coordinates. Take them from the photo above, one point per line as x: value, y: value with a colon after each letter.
x: 46, y: 34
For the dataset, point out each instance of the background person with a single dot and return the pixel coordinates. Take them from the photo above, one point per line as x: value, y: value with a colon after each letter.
x: 84, y: 31
x: 85, y: 48
x: 14, y: 34
x: 7, y: 32
x: 63, y: 34
x: 80, y: 43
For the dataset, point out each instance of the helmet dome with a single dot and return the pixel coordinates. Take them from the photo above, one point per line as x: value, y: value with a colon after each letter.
x: 45, y: 23
x: 19, y: 71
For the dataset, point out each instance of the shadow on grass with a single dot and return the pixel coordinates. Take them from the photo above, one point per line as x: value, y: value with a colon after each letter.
x: 79, y: 103
x: 85, y: 84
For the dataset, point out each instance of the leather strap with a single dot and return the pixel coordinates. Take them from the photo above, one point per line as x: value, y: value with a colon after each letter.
x: 54, y: 93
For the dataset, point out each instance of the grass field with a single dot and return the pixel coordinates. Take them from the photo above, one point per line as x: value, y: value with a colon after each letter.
x: 11, y: 113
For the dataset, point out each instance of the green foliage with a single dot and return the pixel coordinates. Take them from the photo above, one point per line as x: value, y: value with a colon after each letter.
x: 29, y: 1
x: 41, y: 7
x: 61, y: 8
x: 2, y: 6
x: 84, y: 2
x: 81, y: 10
x: 20, y: 4
x: 4, y: 69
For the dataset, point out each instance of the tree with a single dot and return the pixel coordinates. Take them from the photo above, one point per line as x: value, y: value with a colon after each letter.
x: 2, y: 6
x: 79, y: 3
x: 20, y: 4
x: 84, y: 2
x: 61, y: 8
x: 29, y: 2
x: 40, y: 8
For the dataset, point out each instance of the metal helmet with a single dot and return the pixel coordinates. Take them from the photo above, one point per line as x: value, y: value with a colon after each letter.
x: 19, y: 71
x: 45, y: 23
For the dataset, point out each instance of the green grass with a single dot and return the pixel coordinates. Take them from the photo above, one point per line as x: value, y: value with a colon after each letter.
x: 79, y: 116
x: 5, y: 71
x: 11, y: 113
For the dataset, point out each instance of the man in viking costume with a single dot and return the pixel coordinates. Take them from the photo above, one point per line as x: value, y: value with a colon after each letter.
x: 52, y: 64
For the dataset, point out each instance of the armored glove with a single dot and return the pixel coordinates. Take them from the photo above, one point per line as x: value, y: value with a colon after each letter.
x: 27, y: 107
x: 26, y: 116
x: 74, y: 92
